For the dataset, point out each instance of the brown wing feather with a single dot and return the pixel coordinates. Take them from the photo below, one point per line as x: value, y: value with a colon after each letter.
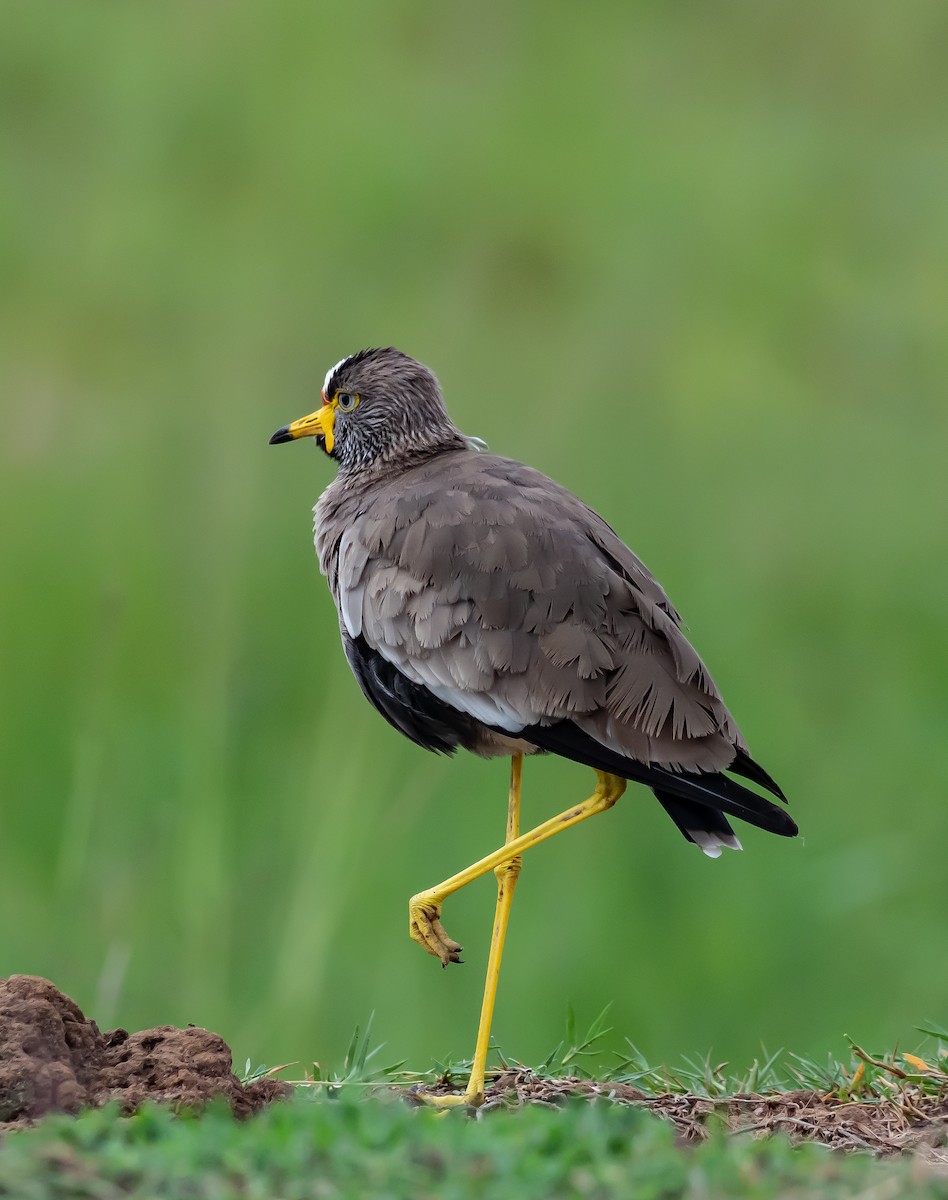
x: 511, y: 599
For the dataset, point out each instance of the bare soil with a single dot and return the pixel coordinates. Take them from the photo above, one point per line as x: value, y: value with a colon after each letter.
x: 53, y: 1059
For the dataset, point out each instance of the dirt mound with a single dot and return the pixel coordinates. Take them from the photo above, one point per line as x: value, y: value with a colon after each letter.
x: 52, y: 1059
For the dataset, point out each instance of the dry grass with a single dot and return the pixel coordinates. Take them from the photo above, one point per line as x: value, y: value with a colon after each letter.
x: 909, y: 1119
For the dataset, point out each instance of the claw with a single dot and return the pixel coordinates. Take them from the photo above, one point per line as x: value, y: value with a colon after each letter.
x: 424, y: 926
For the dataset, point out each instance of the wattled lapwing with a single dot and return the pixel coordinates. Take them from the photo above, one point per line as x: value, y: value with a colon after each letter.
x: 482, y: 605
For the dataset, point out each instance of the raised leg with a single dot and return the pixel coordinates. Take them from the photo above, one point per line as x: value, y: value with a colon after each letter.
x: 424, y: 909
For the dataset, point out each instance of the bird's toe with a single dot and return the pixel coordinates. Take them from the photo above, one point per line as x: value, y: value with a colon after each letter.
x: 424, y: 926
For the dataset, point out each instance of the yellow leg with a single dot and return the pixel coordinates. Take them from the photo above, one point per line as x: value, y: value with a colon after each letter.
x: 507, y: 875
x: 425, y: 908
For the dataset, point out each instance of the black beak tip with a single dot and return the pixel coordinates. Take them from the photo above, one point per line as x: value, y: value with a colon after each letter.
x: 282, y: 435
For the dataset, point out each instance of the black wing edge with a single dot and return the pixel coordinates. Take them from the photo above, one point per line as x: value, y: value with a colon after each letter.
x: 744, y: 765
x: 408, y: 707
x: 695, y: 801
x: 715, y: 792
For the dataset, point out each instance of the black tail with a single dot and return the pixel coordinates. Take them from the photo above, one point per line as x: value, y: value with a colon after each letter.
x: 694, y: 820
x: 691, y: 790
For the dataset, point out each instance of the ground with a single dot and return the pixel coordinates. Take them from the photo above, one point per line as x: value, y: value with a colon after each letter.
x: 883, y: 1127
x: 54, y: 1059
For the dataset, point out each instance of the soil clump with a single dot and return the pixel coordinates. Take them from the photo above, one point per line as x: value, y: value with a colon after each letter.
x: 53, y: 1059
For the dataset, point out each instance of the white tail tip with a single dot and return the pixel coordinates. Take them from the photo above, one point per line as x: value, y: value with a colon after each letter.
x: 713, y: 843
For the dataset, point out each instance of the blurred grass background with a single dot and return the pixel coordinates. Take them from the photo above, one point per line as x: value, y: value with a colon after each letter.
x: 690, y: 260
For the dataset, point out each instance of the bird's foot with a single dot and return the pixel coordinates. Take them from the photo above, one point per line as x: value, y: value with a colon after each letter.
x: 424, y: 925
x: 443, y: 1104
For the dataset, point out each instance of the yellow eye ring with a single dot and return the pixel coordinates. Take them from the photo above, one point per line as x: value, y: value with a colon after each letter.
x: 345, y: 401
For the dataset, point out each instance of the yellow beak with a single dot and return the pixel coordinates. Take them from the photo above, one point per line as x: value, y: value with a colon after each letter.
x: 318, y: 424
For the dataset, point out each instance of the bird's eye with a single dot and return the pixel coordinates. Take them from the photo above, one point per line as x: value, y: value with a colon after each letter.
x: 346, y: 401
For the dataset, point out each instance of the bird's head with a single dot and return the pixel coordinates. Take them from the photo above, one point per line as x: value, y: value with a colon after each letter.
x: 377, y: 405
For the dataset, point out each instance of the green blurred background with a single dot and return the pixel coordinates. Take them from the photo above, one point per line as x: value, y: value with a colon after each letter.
x: 689, y: 259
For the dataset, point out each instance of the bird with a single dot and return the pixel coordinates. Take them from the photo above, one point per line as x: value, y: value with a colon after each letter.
x: 484, y: 607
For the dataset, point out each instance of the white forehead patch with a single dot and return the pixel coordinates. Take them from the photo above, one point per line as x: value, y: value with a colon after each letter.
x: 333, y: 370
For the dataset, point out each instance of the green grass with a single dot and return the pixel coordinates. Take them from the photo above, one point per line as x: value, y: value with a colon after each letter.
x: 683, y: 257
x: 348, y: 1148
x: 350, y: 1133
x: 921, y: 1072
